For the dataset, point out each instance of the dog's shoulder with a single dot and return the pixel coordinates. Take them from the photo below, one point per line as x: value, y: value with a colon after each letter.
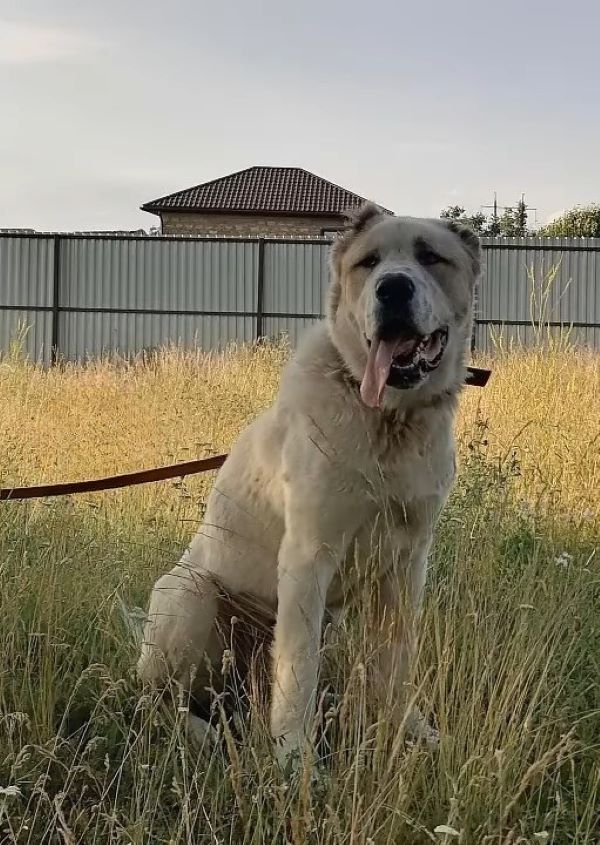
x: 316, y: 376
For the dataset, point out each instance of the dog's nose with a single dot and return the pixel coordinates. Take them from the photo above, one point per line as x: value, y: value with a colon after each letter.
x: 395, y: 290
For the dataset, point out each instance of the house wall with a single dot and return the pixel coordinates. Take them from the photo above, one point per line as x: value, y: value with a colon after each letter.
x: 229, y: 225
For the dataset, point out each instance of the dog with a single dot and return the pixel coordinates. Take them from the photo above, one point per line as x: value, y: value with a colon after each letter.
x: 357, y: 452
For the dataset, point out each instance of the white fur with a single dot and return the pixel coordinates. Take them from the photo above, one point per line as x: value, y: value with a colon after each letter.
x: 320, y: 478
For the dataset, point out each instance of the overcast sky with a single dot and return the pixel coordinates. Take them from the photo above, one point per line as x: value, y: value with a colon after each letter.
x: 416, y: 105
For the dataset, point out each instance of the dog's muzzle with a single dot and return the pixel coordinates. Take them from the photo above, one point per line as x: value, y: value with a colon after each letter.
x: 399, y: 354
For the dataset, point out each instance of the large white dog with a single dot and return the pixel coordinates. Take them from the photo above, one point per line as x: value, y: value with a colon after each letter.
x: 356, y: 453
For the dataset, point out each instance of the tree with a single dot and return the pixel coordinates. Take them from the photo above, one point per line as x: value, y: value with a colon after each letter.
x: 493, y: 228
x: 475, y: 221
x: 579, y: 222
x: 521, y: 218
x: 509, y: 224
x: 512, y: 223
x: 453, y: 212
x: 478, y: 222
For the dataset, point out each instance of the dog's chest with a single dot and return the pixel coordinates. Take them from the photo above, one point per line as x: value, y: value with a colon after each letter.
x: 394, y: 539
x: 404, y: 494
x: 407, y: 465
x: 396, y: 483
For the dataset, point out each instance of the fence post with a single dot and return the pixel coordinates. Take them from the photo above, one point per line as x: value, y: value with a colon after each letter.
x: 260, y: 289
x: 56, y: 302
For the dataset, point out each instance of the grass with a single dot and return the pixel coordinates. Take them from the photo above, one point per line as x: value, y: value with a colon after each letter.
x: 509, y: 659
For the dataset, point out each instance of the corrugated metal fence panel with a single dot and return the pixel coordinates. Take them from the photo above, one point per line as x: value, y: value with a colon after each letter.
x: 87, y: 334
x: 296, y: 278
x: 32, y: 328
x: 181, y: 275
x: 26, y: 271
x: 159, y: 274
x: 555, y: 279
x: 542, y: 243
x: 292, y: 327
x: 490, y: 339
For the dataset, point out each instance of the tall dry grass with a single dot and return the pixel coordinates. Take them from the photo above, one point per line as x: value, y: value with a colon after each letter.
x: 509, y: 659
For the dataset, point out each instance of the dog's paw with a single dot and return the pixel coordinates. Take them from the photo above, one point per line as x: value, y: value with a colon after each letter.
x: 201, y: 732
x: 288, y: 755
x: 418, y: 729
x: 301, y: 769
x: 294, y: 754
x: 431, y: 737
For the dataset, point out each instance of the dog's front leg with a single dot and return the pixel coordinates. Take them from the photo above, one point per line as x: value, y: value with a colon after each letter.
x: 399, y: 605
x: 323, y: 509
x: 305, y: 573
x: 396, y: 617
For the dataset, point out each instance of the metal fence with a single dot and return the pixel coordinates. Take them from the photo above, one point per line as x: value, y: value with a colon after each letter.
x: 82, y: 296
x: 535, y: 287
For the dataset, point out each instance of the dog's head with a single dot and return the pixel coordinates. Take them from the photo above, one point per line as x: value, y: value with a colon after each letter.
x: 401, y: 302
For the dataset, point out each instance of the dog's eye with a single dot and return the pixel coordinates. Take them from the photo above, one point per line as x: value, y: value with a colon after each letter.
x: 369, y: 261
x: 427, y: 257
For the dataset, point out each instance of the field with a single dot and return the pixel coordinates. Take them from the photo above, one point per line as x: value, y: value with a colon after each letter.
x: 509, y: 659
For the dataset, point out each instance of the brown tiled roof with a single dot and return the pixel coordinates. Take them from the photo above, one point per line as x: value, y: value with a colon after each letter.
x: 262, y: 190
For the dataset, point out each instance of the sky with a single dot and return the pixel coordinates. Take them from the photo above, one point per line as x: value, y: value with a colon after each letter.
x: 416, y: 105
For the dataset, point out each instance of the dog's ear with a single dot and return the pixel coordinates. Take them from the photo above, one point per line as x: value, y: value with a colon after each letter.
x: 357, y: 220
x: 469, y: 240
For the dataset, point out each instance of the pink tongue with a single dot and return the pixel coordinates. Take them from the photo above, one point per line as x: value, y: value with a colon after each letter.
x: 379, y: 361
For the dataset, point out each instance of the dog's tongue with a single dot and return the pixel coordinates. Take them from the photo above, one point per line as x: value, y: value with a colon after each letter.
x: 379, y: 361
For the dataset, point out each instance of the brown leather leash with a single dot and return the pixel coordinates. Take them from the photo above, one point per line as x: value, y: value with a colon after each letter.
x: 475, y: 377
x: 112, y: 482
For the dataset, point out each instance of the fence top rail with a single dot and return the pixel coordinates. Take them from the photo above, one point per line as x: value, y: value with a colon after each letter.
x: 533, y: 244
x: 538, y: 242
x: 85, y: 236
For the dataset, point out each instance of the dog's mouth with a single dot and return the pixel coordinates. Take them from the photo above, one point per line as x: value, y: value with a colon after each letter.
x: 401, y: 362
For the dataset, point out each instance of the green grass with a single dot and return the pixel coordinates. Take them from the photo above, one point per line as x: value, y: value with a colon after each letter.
x: 509, y: 658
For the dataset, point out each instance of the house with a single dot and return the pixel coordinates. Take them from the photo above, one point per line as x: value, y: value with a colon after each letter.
x: 258, y: 201
x: 103, y: 232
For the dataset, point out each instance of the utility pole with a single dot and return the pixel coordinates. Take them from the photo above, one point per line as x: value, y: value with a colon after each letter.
x: 522, y: 212
x: 495, y: 224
